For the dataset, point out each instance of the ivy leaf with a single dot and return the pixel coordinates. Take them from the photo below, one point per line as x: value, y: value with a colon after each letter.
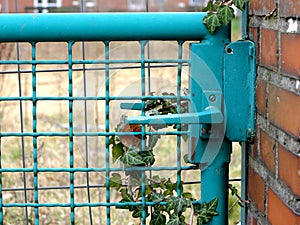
x: 132, y: 157
x: 239, y: 3
x: 157, y: 219
x: 186, y: 158
x: 117, y: 151
x: 157, y: 182
x: 212, y: 21
x: 241, y: 204
x: 175, y: 220
x: 137, y: 212
x: 208, y: 7
x: 157, y: 197
x: 234, y: 190
x: 127, y: 197
x: 112, y: 141
x: 153, y: 141
x: 147, y: 157
x: 212, y: 206
x: 187, y: 195
x: 171, y: 186
x: 226, y: 14
x: 178, y: 204
x: 115, y: 181
x: 207, y: 211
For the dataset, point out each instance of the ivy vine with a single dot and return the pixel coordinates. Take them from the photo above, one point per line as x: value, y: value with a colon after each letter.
x: 221, y: 12
x: 170, y: 200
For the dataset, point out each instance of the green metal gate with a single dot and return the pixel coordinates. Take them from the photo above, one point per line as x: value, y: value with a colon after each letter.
x: 220, y: 99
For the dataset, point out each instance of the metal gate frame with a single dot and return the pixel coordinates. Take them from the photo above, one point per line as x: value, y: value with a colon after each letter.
x: 215, y: 119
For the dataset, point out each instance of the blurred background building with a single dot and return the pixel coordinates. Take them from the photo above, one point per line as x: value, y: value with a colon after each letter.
x: 44, y: 6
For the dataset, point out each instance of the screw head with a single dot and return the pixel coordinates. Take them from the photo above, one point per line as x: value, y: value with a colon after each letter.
x: 212, y: 98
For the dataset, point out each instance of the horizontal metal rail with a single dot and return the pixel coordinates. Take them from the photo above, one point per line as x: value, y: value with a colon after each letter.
x: 104, y: 26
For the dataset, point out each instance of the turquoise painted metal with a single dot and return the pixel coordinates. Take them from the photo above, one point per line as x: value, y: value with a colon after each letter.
x: 221, y: 87
x: 102, y: 27
x: 221, y: 96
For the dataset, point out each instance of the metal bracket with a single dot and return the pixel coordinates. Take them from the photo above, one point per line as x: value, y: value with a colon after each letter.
x: 239, y: 94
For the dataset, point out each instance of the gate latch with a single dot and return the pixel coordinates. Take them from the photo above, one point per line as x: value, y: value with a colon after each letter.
x: 221, y: 98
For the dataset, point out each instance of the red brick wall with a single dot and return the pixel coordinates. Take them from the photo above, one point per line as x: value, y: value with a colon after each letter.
x: 274, y: 159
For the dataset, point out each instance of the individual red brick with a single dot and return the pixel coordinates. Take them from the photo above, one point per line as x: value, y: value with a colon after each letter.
x: 267, y: 150
x: 261, y: 96
x: 284, y: 110
x: 256, y: 189
x: 290, y: 51
x: 269, y: 48
x: 278, y: 212
x: 289, y: 8
x: 288, y: 169
x: 261, y: 7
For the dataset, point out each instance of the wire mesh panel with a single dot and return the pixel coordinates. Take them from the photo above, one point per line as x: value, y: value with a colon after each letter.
x: 58, y: 167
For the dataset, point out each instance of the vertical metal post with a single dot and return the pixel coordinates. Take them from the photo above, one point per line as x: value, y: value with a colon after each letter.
x: 214, y: 183
x: 211, y: 149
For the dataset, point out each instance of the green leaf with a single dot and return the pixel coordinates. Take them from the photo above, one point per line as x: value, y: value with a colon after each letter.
x: 153, y: 141
x: 132, y: 157
x: 241, y: 204
x: 186, y: 158
x: 115, y: 181
x: 126, y: 197
x: 187, y: 195
x: 234, y: 190
x: 157, y: 182
x: 208, y: 7
x: 175, y: 220
x: 240, y: 3
x: 226, y: 14
x: 157, y: 197
x: 137, y: 212
x: 117, y: 151
x: 207, y: 211
x: 173, y: 110
x: 112, y: 141
x: 199, y: 221
x: 212, y: 206
x: 212, y: 21
x: 158, y: 219
x: 178, y: 204
x: 168, y: 192
x: 184, y: 137
x: 147, y: 157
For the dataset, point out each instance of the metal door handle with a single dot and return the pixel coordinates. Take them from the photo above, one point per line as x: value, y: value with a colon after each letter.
x: 210, y: 115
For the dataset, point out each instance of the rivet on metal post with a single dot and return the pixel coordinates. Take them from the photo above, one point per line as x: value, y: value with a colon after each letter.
x: 212, y: 98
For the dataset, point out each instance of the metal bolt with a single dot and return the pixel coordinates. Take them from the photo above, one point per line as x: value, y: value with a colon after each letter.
x: 212, y: 98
